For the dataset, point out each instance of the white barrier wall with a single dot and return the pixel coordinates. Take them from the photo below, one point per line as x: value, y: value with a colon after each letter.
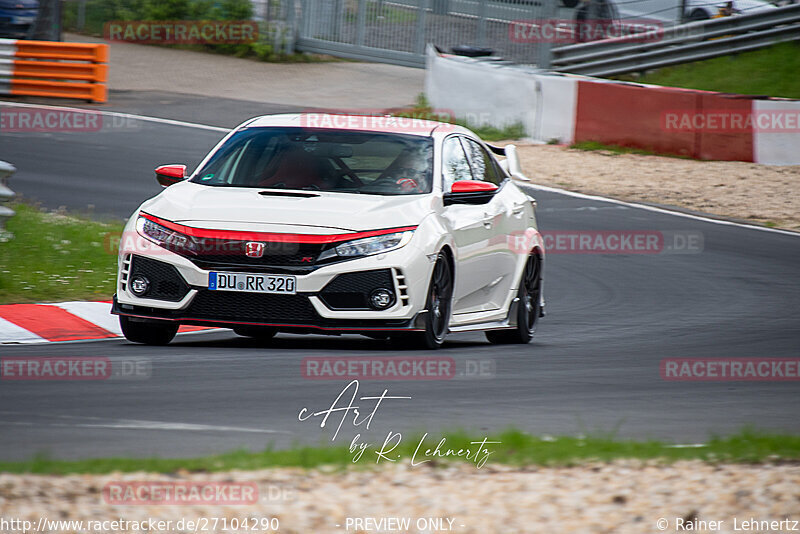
x: 557, y: 102
x: 480, y: 92
x: 776, y: 135
x: 490, y: 93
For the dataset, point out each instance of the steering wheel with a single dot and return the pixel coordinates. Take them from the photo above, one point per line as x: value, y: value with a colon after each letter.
x: 406, y: 182
x: 347, y: 171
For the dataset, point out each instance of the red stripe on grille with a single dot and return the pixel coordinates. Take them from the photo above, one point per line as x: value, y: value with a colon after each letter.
x: 233, y: 235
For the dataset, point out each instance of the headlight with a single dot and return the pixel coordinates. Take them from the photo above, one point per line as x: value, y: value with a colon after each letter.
x: 165, y: 237
x: 368, y: 246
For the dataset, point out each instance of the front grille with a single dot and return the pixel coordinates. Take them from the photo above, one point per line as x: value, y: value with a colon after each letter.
x: 351, y: 291
x: 251, y: 307
x: 218, y: 254
x: 165, y: 281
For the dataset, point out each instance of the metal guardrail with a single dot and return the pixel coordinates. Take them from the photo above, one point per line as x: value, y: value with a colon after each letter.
x: 680, y: 44
x: 6, y: 194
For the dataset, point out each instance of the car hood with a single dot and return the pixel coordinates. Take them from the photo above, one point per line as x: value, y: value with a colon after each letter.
x: 237, y: 208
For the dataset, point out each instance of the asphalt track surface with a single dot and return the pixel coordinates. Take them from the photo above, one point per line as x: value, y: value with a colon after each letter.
x: 593, y: 367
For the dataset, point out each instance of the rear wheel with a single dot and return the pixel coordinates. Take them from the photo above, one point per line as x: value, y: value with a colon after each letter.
x: 148, y: 332
x: 438, y: 304
x: 256, y: 332
x: 529, y: 306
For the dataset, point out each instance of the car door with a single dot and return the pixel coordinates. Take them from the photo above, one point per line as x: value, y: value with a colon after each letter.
x: 470, y: 232
x: 504, y: 218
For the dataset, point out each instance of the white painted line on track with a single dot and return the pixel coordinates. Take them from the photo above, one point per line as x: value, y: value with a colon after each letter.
x: 135, y: 424
x: 654, y: 209
x: 145, y: 118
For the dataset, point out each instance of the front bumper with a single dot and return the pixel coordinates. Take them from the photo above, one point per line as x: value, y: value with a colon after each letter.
x: 314, y: 324
x: 329, y: 299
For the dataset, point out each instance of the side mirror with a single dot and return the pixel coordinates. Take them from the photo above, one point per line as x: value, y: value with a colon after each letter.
x: 470, y: 192
x: 167, y: 175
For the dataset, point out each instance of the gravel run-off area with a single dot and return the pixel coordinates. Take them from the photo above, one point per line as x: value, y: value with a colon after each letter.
x: 750, y: 192
x: 624, y: 496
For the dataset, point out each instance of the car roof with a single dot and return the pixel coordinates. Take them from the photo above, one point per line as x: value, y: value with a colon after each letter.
x: 355, y: 122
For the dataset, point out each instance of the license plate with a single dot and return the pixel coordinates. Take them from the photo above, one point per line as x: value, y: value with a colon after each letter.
x: 22, y: 20
x: 252, y: 283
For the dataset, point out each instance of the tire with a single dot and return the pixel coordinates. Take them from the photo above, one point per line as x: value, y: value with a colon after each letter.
x: 528, y: 309
x: 256, y: 332
x: 698, y: 14
x: 439, y: 303
x: 148, y: 332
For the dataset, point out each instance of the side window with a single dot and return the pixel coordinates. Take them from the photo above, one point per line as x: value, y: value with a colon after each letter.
x: 483, y: 165
x: 455, y: 165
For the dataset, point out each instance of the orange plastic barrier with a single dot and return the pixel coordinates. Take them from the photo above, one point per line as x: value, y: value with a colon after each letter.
x: 60, y: 70
x: 95, y: 53
x: 94, y: 92
x: 57, y: 70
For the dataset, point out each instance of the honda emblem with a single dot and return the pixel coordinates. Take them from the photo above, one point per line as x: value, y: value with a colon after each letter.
x: 254, y: 249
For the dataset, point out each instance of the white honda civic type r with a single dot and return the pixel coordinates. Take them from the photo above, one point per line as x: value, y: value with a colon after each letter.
x: 313, y: 223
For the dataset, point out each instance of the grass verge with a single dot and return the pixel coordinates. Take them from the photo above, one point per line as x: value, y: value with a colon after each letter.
x: 55, y: 256
x: 771, y: 72
x: 517, y: 448
x: 423, y: 110
x: 617, y: 149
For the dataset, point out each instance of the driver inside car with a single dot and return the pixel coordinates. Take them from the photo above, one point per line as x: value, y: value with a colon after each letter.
x: 408, y: 172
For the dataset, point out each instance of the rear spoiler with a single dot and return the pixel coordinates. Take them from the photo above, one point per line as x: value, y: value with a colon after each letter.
x: 511, y: 163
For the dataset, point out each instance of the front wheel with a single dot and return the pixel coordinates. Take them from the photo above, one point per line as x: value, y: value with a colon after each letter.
x: 438, y: 305
x: 529, y: 306
x: 148, y: 332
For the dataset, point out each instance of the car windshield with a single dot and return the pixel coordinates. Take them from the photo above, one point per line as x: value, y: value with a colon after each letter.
x: 322, y: 160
